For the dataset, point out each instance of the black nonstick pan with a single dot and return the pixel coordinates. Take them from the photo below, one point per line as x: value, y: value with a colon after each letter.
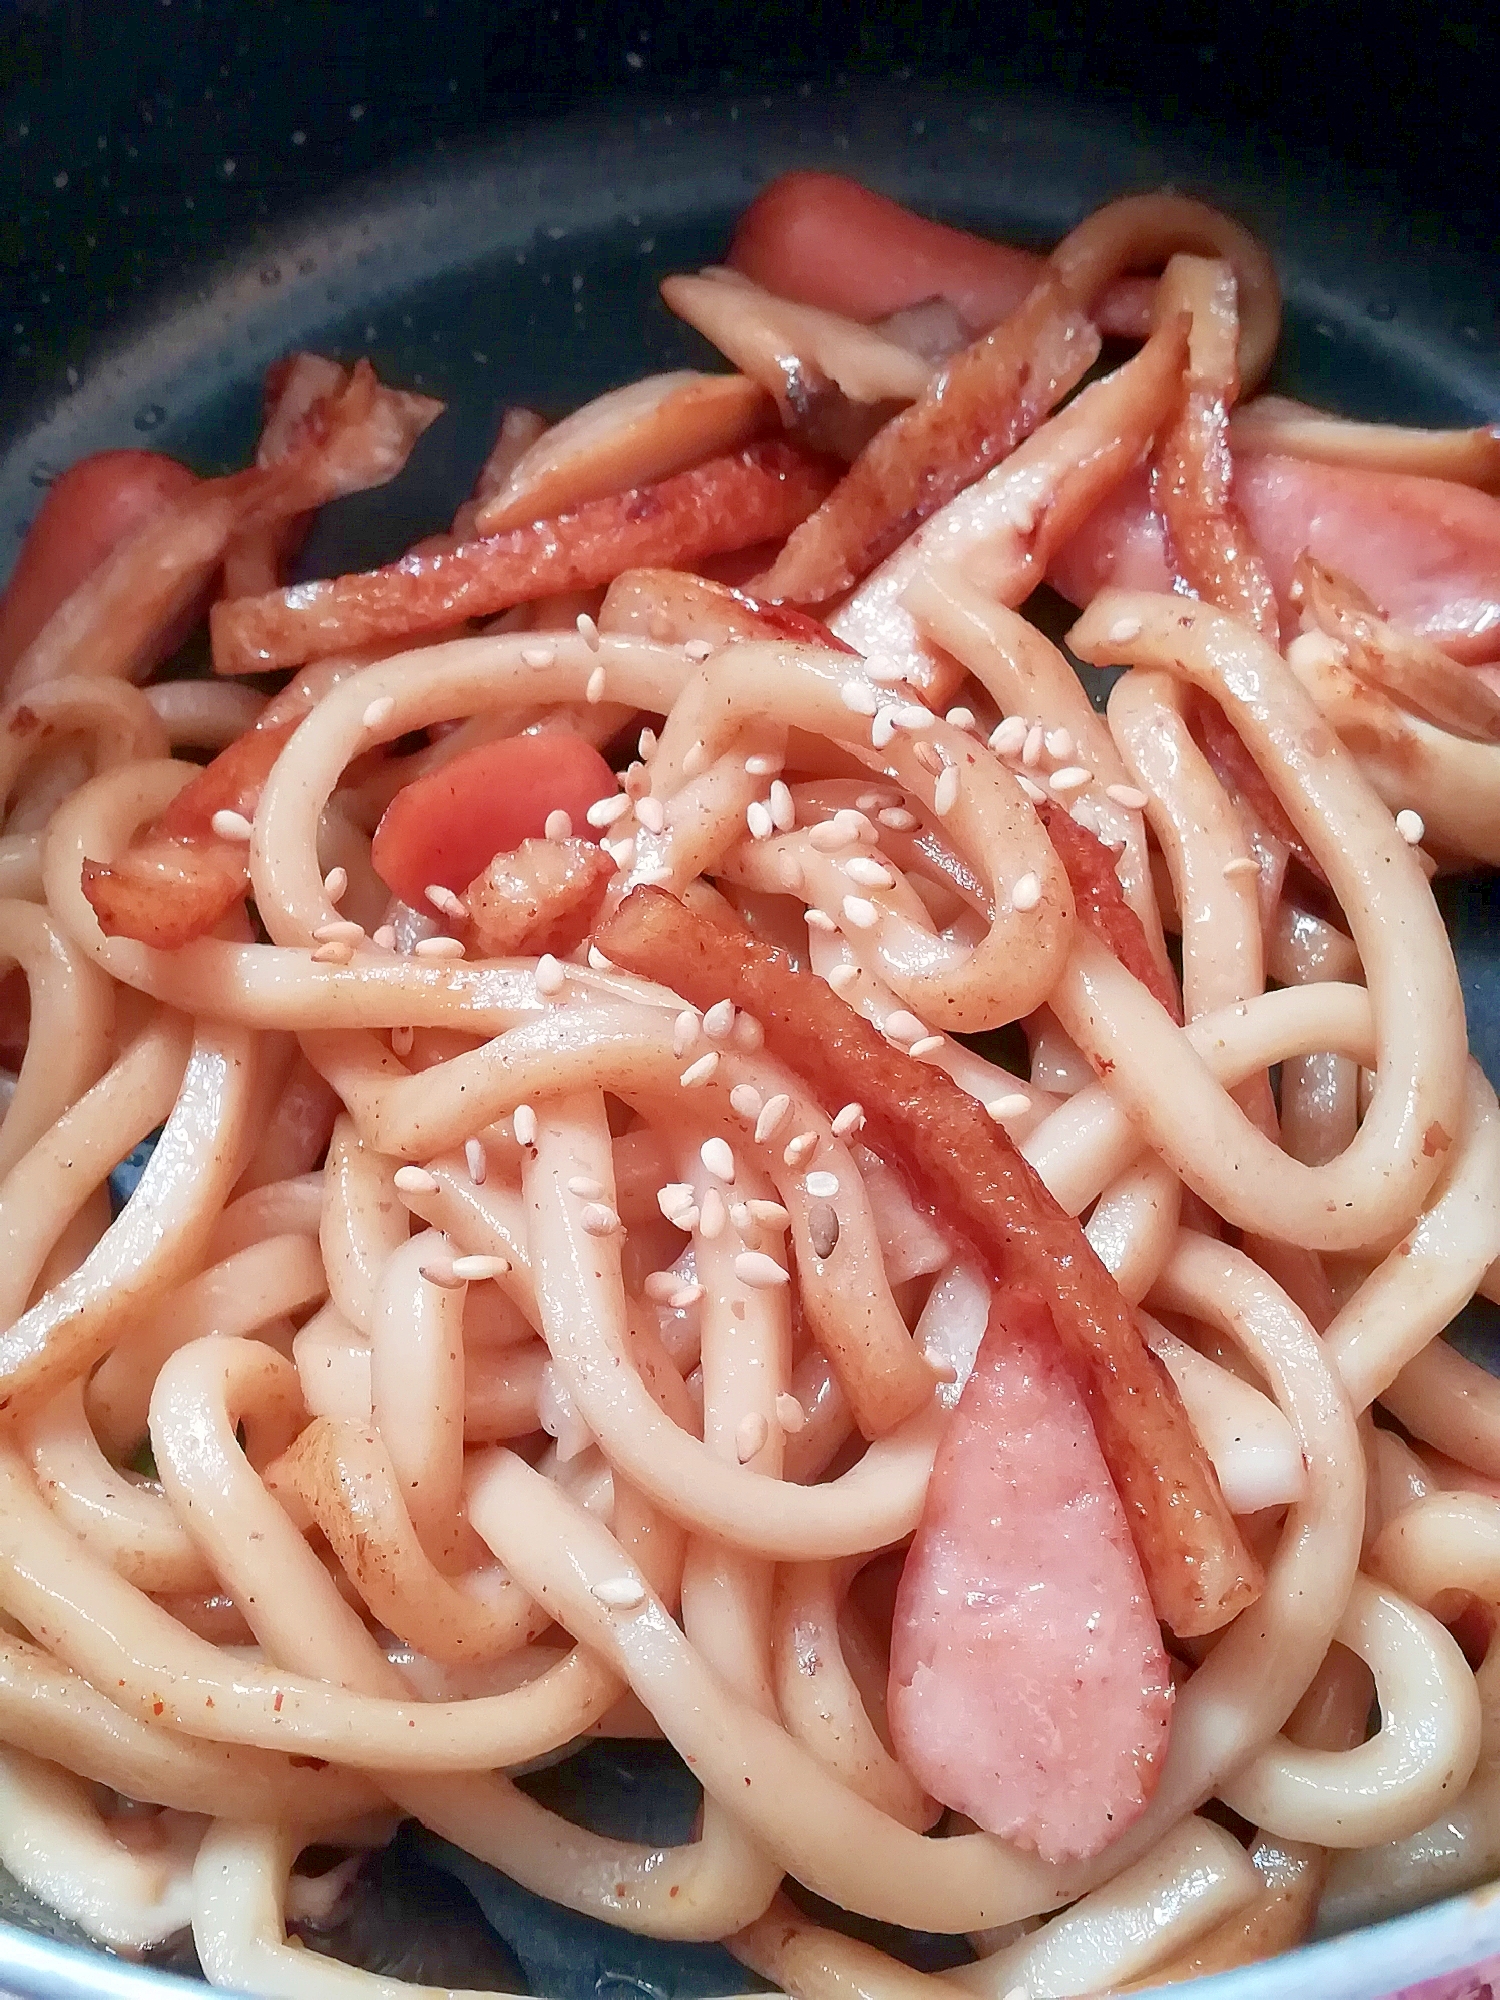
x: 483, y: 200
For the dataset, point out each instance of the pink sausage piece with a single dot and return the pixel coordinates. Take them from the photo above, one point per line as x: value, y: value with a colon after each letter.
x: 1426, y: 549
x: 826, y: 241
x: 1028, y: 1686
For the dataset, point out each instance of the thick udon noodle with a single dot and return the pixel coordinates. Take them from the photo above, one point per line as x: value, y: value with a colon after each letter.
x: 367, y: 1582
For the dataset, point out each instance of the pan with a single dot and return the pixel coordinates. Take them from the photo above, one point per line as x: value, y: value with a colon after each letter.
x: 163, y: 254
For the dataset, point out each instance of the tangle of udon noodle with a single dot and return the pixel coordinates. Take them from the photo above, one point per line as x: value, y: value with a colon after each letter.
x: 366, y: 1583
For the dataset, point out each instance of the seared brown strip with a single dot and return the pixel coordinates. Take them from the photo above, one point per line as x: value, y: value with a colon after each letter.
x: 961, y: 1164
x: 749, y: 496
x: 1208, y: 541
x: 977, y: 409
x: 1102, y: 905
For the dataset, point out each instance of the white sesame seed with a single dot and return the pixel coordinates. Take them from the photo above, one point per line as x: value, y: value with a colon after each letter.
x: 758, y: 819
x: 674, y: 1198
x: 822, y: 1186
x: 342, y: 930
x: 379, y: 712
x: 1028, y: 790
x: 749, y: 1035
x: 538, y: 656
x: 604, y: 812
x: 1008, y: 738
x: 597, y: 1218
x: 883, y: 728
x: 336, y: 884
x: 646, y: 743
x: 231, y: 825
x: 760, y: 1272
x: 913, y: 717
x: 928, y: 1045
x: 695, y: 758
x: 335, y: 953
x: 698, y: 649
x: 790, y: 1414
x: 818, y: 920
x: 550, y: 977
x: 620, y: 1593
x: 945, y: 791
x: 769, y: 1215
x: 477, y: 1161
x: 848, y: 1120
x: 523, y: 1124
x: 1410, y: 826
x: 750, y: 1436
x: 763, y: 765
x: 1059, y: 744
x: 1126, y: 796
x: 739, y: 1215
x: 858, y: 698
x: 384, y: 939
x: 903, y: 1026
x: 585, y: 1188
x: 686, y: 1295
x: 830, y: 835
x: 1072, y: 778
x: 652, y: 814
x: 717, y: 1156
x: 718, y: 1021
x: 1240, y: 864
x: 1124, y: 630
x: 416, y: 1180
x: 401, y: 1041
x: 897, y: 819
x: 783, y: 807
x: 588, y: 631
x: 869, y: 802
x: 594, y: 687
x: 1002, y: 1108
x: 443, y: 899
x: 598, y: 961
x: 684, y: 1032
x: 660, y: 1285
x: 869, y: 874
x: 1026, y: 894
x: 861, y: 912
x: 558, y: 825
x: 1031, y: 749
x: 713, y: 1216
x: 438, y: 947
x: 700, y: 1071
x: 960, y: 718
x: 801, y: 1148
x: 475, y: 1270
x: 744, y: 1101
x: 773, y: 1116
x: 842, y: 977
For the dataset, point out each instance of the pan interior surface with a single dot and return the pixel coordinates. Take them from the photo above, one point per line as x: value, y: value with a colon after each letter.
x: 526, y: 272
